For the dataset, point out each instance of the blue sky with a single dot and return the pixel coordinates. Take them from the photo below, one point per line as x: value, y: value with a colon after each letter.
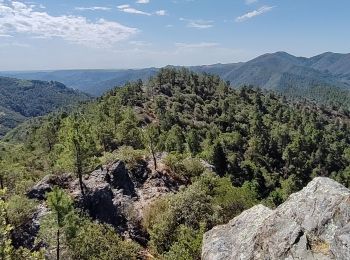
x: 71, y: 34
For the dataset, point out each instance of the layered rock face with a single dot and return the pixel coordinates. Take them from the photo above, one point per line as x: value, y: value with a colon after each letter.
x: 312, y: 224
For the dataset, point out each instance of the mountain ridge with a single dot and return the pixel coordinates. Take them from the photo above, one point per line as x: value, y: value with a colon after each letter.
x: 263, y: 71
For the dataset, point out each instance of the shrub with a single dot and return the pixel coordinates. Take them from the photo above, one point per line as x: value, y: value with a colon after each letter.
x: 21, y: 209
x: 174, y: 221
x: 130, y: 156
x: 192, y: 167
x: 100, y: 242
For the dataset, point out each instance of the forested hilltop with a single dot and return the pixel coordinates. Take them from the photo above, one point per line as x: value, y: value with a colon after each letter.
x: 210, y: 150
x: 23, y: 99
x: 324, y: 79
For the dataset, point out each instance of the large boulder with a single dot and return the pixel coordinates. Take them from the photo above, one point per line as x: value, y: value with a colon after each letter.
x: 312, y: 224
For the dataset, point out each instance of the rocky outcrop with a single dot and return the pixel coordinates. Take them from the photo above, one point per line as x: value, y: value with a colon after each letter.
x: 25, y: 234
x: 114, y: 194
x: 47, y: 183
x: 312, y: 224
x: 102, y: 186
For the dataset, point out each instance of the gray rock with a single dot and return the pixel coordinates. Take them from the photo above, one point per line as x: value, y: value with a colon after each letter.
x: 25, y: 234
x: 120, y: 179
x: 47, y: 183
x: 312, y: 224
x: 98, y: 199
x: 113, y: 194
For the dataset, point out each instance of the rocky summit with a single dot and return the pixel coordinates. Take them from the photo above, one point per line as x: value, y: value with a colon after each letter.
x: 312, y: 224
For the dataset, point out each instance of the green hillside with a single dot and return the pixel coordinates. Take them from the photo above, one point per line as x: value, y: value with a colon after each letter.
x: 260, y: 148
x: 22, y: 99
x: 281, y: 72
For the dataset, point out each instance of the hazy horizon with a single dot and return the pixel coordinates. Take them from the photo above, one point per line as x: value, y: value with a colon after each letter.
x: 157, y: 67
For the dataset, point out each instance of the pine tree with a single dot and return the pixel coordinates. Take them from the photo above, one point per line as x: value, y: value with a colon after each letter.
x: 151, y: 139
x: 219, y: 159
x: 79, y: 146
x: 193, y: 141
x: 61, y: 205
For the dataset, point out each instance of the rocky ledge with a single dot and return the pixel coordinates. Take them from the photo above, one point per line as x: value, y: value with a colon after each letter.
x: 312, y: 224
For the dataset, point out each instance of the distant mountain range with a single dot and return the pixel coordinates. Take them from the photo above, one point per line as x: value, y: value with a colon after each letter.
x: 23, y: 99
x: 93, y: 82
x: 280, y: 71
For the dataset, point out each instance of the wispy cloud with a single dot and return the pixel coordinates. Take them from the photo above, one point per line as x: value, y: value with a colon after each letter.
x: 6, y: 35
x: 14, y: 44
x: 249, y: 2
x: 247, y: 16
x: 130, y: 10
x: 161, y: 12
x: 93, y: 8
x: 140, y: 43
x: 198, y: 24
x: 21, y: 18
x: 142, y: 1
x: 196, y: 45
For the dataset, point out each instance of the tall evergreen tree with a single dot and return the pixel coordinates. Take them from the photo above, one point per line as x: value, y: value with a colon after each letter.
x: 61, y: 205
x: 219, y: 159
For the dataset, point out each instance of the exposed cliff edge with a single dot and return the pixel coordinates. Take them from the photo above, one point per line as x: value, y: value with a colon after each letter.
x: 312, y: 224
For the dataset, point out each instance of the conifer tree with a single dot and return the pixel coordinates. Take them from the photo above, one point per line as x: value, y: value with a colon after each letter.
x: 61, y: 205
x: 151, y: 139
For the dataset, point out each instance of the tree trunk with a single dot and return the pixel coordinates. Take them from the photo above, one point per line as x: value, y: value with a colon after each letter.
x: 81, y: 184
x: 115, y: 124
x: 58, y: 245
x: 154, y: 160
x: 78, y: 163
x: 153, y: 154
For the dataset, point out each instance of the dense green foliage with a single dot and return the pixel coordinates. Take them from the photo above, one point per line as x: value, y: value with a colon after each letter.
x: 330, y: 96
x: 21, y: 99
x: 262, y: 148
x: 209, y: 201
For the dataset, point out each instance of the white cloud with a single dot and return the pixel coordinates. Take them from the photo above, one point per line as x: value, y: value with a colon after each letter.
x: 93, y: 8
x: 130, y: 10
x: 196, y: 45
x: 249, y: 2
x: 14, y: 44
x: 20, y: 18
x: 161, y: 12
x: 261, y: 10
x: 198, y: 24
x: 140, y: 43
x: 142, y: 1
x: 123, y: 6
